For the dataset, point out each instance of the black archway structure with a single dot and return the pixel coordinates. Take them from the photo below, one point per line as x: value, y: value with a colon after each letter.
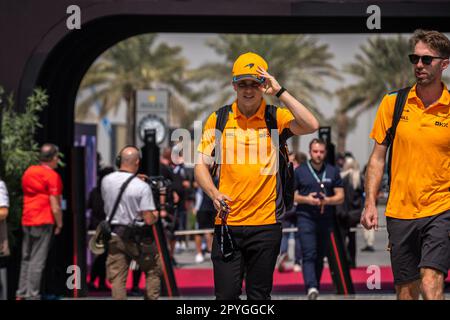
x: 41, y: 51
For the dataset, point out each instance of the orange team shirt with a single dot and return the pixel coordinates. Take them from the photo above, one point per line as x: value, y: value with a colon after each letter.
x: 420, y: 182
x: 38, y: 184
x: 248, y: 165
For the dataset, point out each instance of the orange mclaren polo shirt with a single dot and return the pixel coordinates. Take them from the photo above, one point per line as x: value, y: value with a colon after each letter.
x: 248, y: 170
x: 420, y: 182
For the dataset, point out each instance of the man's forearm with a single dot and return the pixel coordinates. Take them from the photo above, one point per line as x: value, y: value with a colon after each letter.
x: 3, y: 213
x: 150, y: 217
x: 374, y: 175
x: 204, y: 180
x: 55, y: 203
x: 335, y: 200
x: 57, y: 214
x: 303, y: 117
x: 301, y: 199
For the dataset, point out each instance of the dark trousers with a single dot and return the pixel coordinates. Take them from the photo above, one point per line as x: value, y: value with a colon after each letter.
x: 99, y: 270
x: 314, y: 238
x: 349, y: 238
x: 254, y: 258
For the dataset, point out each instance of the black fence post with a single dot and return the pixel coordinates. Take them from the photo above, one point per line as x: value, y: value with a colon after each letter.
x: 150, y: 166
x: 78, y: 208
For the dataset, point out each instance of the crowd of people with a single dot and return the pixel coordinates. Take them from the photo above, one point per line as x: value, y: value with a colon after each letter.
x: 246, y: 205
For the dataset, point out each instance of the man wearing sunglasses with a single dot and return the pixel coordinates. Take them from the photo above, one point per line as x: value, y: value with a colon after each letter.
x: 418, y: 209
x: 249, y: 197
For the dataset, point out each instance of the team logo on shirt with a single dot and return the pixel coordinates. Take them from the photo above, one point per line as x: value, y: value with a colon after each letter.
x: 404, y: 118
x: 441, y: 124
x: 263, y: 132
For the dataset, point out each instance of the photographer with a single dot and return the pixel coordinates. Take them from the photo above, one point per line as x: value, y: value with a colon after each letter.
x: 319, y: 190
x: 132, y: 236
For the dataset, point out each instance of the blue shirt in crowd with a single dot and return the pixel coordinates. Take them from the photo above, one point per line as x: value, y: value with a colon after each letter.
x: 307, y: 183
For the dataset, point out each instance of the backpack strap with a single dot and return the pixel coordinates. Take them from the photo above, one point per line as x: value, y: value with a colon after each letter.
x: 272, y: 124
x: 400, y: 102
x: 222, y: 117
x: 221, y: 121
x: 286, y: 172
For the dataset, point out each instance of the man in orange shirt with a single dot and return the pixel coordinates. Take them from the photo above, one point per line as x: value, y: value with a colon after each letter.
x: 249, y: 196
x: 418, y: 209
x: 41, y: 217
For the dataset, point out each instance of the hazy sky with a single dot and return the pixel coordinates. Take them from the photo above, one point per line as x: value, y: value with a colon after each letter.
x: 343, y: 46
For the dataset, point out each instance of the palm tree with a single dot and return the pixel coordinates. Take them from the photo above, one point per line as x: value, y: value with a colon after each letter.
x: 380, y: 67
x: 133, y: 64
x: 298, y: 62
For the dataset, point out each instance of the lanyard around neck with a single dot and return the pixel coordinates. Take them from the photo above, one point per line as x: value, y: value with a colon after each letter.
x: 319, y: 181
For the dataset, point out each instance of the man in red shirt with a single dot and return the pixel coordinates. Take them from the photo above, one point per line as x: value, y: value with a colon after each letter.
x: 42, y: 216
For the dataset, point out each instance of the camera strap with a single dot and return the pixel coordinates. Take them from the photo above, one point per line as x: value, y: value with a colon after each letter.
x: 119, y: 196
x: 321, y: 180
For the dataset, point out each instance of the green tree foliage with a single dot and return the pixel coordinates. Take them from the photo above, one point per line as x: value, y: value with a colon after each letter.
x: 19, y: 150
x: 299, y: 62
x: 381, y: 66
x: 133, y: 64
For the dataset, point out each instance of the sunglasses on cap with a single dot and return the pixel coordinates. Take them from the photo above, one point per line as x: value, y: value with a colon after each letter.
x: 249, y: 77
x: 427, y: 60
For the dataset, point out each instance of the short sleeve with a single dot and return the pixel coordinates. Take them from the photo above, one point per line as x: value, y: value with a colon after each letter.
x: 4, y: 198
x: 284, y: 118
x: 207, y: 143
x: 297, y: 176
x: 338, y: 182
x: 147, y: 203
x: 383, y: 120
x: 54, y: 184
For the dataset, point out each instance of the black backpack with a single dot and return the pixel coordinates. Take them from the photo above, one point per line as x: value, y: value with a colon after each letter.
x: 286, y: 168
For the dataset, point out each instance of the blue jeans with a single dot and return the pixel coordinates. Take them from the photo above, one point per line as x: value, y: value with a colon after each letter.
x: 314, y: 234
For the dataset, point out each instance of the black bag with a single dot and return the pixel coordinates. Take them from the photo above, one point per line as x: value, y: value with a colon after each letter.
x: 286, y: 168
x: 138, y: 234
x: 104, y: 231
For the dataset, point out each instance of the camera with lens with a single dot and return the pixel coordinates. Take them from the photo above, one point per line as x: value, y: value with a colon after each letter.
x: 318, y: 196
x: 161, y: 186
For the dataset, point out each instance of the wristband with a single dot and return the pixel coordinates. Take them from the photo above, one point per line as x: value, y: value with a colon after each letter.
x: 280, y: 92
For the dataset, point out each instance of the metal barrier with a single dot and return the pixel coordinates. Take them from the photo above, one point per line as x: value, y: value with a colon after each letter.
x: 205, y: 231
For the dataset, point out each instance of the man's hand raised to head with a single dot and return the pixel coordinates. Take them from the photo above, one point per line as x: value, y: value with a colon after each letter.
x: 270, y: 85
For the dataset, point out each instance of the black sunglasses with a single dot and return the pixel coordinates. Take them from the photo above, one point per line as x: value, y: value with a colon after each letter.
x: 427, y: 60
